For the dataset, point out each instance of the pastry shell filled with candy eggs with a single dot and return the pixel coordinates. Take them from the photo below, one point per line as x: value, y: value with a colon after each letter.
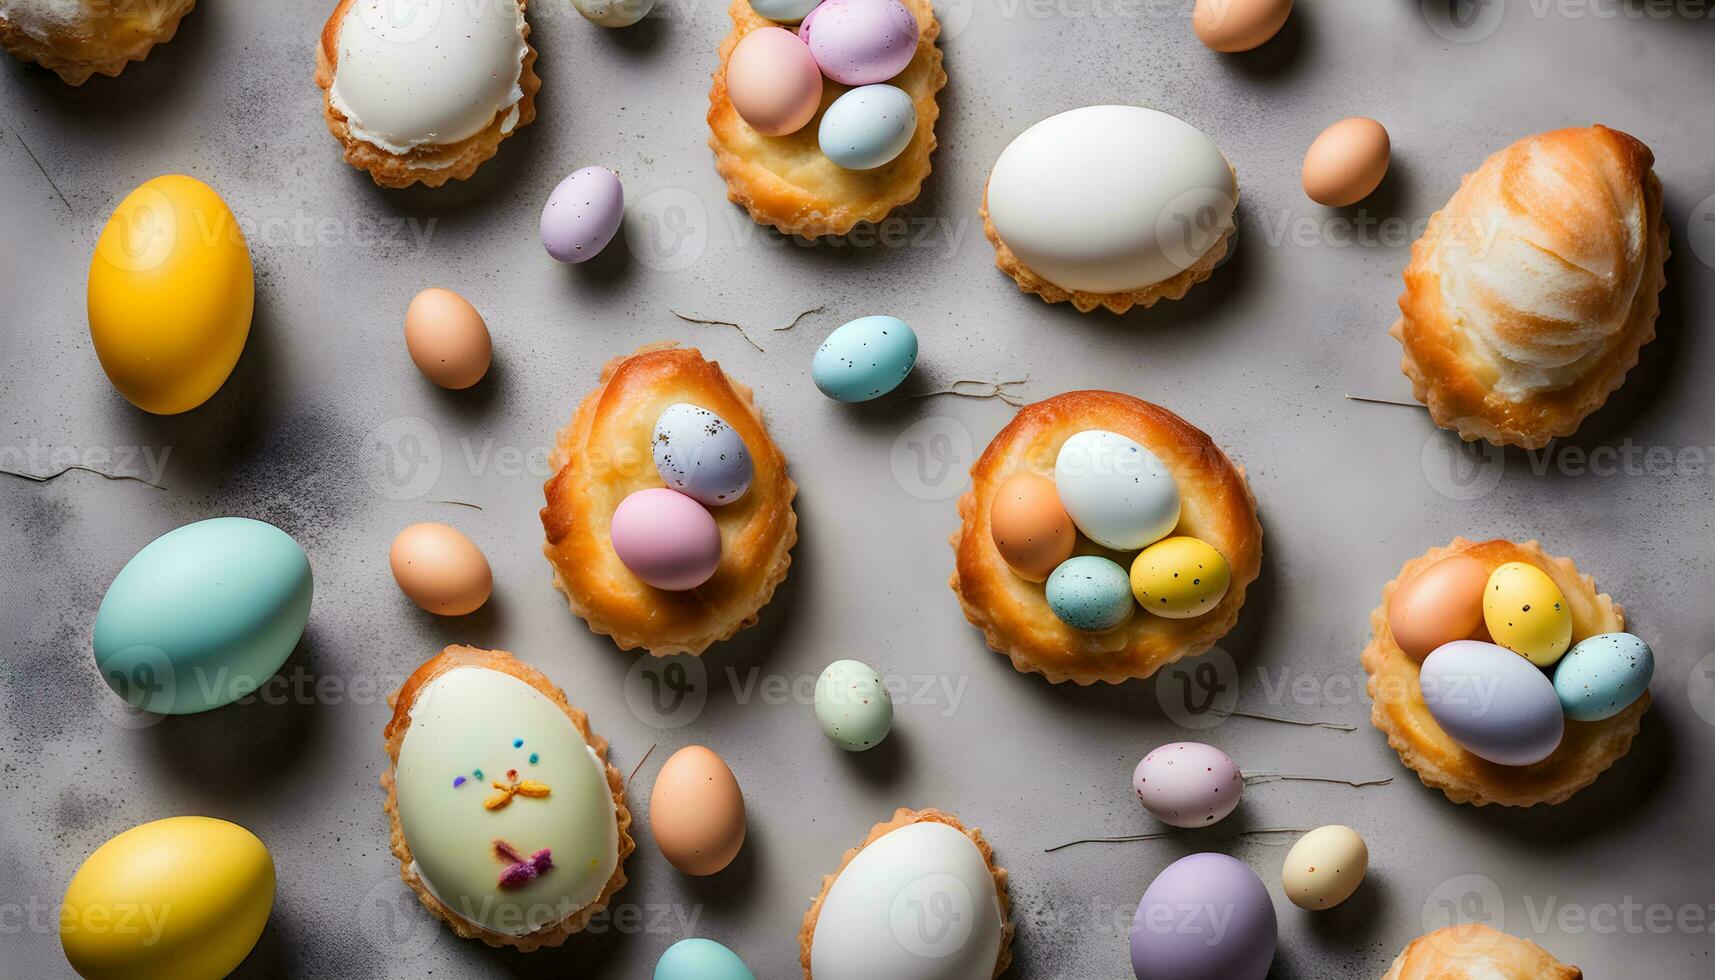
x: 1500, y: 675
x: 75, y: 39
x: 1103, y: 537
x: 429, y: 97
x: 507, y: 820
x: 669, y: 517
x: 1471, y: 951
x: 817, y: 130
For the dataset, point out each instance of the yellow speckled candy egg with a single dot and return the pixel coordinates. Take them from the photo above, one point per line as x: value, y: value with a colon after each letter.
x: 178, y: 899
x: 171, y: 291
x: 1527, y: 613
x: 1180, y: 577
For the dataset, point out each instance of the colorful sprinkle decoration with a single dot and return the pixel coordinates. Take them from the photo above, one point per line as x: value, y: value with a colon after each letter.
x: 517, y: 743
x: 534, y: 758
x: 513, y: 787
x: 458, y: 781
x: 520, y: 871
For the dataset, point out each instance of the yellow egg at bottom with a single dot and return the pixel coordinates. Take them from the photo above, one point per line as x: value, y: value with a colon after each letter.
x: 1180, y: 577
x: 1527, y: 613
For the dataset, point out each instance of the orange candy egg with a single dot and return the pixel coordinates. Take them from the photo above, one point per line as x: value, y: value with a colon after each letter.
x: 1442, y: 603
x: 1030, y: 527
x: 773, y: 82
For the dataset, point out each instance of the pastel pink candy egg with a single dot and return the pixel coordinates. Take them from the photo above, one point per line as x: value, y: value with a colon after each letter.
x: 773, y: 82
x: 861, y: 42
x: 1188, y: 784
x: 667, y: 539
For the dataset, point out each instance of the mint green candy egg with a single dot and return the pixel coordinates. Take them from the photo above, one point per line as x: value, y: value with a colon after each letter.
x: 853, y: 706
x: 701, y: 959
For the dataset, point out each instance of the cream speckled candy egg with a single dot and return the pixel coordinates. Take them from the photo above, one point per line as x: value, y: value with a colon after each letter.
x: 1180, y: 577
x: 698, y: 454
x: 1121, y: 495
x: 1325, y: 867
x: 1527, y: 613
x: 1090, y: 593
x: 1603, y: 675
x: 853, y: 707
x: 1188, y: 784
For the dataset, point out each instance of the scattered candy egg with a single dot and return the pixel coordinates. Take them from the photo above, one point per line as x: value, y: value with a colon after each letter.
x: 773, y: 82
x: 1090, y: 593
x: 1601, y: 676
x: 1121, y: 495
x: 696, y: 812
x: 853, y: 706
x: 1188, y: 784
x: 1440, y: 604
x: 1238, y: 25
x: 784, y: 11
x: 1180, y: 577
x: 614, y: 13
x: 203, y: 615
x: 583, y: 214
x: 861, y: 42
x: 184, y: 897
x: 698, y: 454
x: 865, y: 359
x: 1346, y: 163
x: 1325, y: 867
x: 447, y: 339
x: 1492, y: 702
x: 700, y: 959
x: 666, y: 539
x: 440, y: 569
x: 1030, y: 528
x: 1527, y: 613
x: 1205, y: 916
x: 171, y: 293
x: 868, y: 127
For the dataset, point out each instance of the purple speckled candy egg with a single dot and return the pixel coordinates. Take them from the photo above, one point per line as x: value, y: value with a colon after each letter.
x: 1188, y: 784
x: 1205, y: 917
x: 861, y: 42
x: 583, y: 214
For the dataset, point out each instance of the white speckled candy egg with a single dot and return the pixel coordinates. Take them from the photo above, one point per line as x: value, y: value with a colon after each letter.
x: 1603, y: 675
x: 614, y: 13
x: 784, y: 11
x: 583, y: 214
x: 1493, y: 702
x: 1090, y: 593
x: 1325, y: 867
x: 868, y: 127
x: 853, y: 707
x: 864, y: 359
x: 1121, y: 495
x: 1188, y: 784
x: 700, y: 455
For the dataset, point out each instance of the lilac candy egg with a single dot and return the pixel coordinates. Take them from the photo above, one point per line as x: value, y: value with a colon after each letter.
x: 1205, y: 917
x: 583, y: 214
x: 1188, y: 784
x: 861, y: 42
x: 1496, y: 704
x: 667, y: 539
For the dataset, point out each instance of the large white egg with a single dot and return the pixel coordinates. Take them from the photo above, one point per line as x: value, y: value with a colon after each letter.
x: 1493, y: 702
x: 700, y: 455
x: 1121, y: 495
x: 917, y: 904
x: 1111, y: 198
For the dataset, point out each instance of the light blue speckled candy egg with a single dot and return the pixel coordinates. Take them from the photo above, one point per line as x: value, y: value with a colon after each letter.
x: 1601, y: 676
x: 853, y: 706
x: 700, y: 455
x: 701, y: 959
x: 1090, y: 593
x: 868, y: 127
x: 784, y: 11
x: 865, y: 359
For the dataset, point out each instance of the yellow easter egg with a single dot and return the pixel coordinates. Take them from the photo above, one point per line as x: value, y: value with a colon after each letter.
x: 1180, y: 577
x: 1527, y: 613
x: 171, y: 292
x: 178, y: 899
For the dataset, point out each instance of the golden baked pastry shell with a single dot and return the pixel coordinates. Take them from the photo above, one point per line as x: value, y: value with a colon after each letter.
x: 75, y: 55
x: 1477, y: 952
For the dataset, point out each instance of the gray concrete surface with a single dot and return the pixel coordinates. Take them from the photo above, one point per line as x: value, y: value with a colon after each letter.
x: 1260, y: 357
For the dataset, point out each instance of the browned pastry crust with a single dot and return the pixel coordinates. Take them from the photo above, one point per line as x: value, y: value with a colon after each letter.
x: 1577, y: 214
x: 123, y: 36
x: 401, y: 701
x: 1477, y: 952
x: 904, y: 817
x: 1216, y: 506
x: 603, y: 456
x: 430, y: 165
x: 1588, y: 747
x: 787, y: 181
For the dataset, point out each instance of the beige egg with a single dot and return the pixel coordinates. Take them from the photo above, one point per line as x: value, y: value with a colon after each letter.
x: 440, y: 569
x: 447, y: 339
x: 1347, y: 162
x: 696, y: 812
x: 1325, y: 867
x: 1238, y: 25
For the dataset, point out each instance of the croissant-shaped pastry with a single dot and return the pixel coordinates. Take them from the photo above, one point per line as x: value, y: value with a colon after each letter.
x: 1530, y: 294
x: 78, y: 38
x: 1477, y: 952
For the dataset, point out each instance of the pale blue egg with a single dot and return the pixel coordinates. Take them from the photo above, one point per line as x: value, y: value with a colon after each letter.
x: 1601, y: 676
x: 864, y: 359
x: 203, y: 615
x: 1090, y: 593
x: 784, y: 11
x: 698, y: 454
x: 868, y: 127
x: 701, y: 959
x: 1493, y: 702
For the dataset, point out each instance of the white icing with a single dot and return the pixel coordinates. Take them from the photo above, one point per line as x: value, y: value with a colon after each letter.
x: 82, y: 18
x: 416, y: 73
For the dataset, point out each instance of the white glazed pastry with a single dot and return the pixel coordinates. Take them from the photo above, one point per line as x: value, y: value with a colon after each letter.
x: 1111, y: 206
x: 78, y: 38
